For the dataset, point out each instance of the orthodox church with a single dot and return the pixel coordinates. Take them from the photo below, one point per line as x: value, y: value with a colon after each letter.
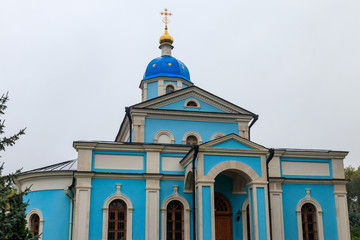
x: 182, y: 167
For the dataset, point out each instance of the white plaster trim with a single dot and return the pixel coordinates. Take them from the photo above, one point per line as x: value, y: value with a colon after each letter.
x: 244, y: 218
x: 309, y: 199
x: 247, y: 171
x: 217, y: 135
x: 129, y: 213
x: 177, y: 197
x: 164, y: 132
x: 188, y: 179
x: 41, y: 218
x: 192, y: 100
x: 192, y: 133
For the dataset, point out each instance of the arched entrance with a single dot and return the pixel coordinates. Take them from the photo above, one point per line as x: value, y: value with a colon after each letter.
x: 223, y: 218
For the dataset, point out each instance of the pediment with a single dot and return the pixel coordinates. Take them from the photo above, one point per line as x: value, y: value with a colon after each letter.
x: 207, y: 102
x: 232, y: 141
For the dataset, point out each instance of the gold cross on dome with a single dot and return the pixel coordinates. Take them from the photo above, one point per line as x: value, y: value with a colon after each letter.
x: 166, y: 19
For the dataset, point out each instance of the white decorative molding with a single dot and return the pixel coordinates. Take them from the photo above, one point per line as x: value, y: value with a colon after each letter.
x: 171, y: 164
x: 41, y: 218
x: 212, y: 102
x: 319, y: 225
x: 217, y: 135
x: 192, y: 133
x: 129, y: 213
x: 305, y: 168
x: 164, y: 132
x: 177, y: 197
x: 247, y: 172
x: 119, y: 161
x: 192, y: 100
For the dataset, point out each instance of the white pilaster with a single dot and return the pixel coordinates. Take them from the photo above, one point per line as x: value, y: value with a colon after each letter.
x: 139, y: 127
x: 82, y: 206
x: 277, y: 216
x: 152, y: 207
x: 342, y: 215
x: 161, y: 88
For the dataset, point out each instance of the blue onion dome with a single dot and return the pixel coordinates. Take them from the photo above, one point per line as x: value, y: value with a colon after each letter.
x: 167, y: 66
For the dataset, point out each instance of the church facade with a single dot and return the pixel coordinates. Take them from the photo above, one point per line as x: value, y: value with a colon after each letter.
x: 182, y: 167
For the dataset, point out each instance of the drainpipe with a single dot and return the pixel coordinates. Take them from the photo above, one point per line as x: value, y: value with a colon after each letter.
x: 127, y: 111
x: 196, y: 150
x: 256, y: 117
x: 271, y: 155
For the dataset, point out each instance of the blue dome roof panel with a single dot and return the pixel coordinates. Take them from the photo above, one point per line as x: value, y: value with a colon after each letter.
x: 166, y: 66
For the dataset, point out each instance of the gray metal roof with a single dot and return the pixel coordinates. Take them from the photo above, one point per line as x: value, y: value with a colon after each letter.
x: 70, y: 165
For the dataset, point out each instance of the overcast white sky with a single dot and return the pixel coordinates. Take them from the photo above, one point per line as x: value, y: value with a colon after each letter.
x: 71, y: 67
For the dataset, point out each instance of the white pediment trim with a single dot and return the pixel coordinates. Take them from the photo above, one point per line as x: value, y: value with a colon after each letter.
x: 194, y: 92
x: 234, y: 137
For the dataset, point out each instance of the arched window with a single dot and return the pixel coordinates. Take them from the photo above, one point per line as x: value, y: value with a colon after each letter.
x: 117, y: 216
x: 191, y: 140
x: 308, y: 217
x: 35, y: 224
x: 175, y: 221
x: 117, y: 220
x: 164, y: 136
x: 191, y: 104
x: 170, y: 89
x: 175, y: 217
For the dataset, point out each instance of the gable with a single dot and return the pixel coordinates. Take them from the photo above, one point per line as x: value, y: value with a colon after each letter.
x: 209, y: 102
x: 182, y: 105
x: 231, y: 144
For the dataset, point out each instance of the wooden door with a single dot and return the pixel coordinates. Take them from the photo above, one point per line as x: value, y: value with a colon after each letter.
x: 223, y: 218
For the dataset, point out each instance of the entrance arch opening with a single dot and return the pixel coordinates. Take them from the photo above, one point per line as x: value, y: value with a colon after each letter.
x: 223, y: 218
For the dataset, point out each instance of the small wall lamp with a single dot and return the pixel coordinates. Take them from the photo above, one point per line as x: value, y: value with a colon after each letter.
x: 238, y: 215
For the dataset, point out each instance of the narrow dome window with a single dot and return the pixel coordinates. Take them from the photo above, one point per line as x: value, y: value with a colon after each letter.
x: 191, y: 140
x: 169, y: 89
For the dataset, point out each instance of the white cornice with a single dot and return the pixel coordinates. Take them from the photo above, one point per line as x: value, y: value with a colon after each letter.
x: 191, y: 115
x: 165, y: 79
x: 303, y: 153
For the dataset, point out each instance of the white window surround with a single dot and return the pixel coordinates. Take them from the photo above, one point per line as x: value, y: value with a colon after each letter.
x: 217, y: 135
x: 319, y: 212
x: 41, y: 218
x: 192, y: 133
x: 244, y: 218
x: 164, y: 132
x: 192, y: 100
x: 129, y: 213
x: 177, y: 197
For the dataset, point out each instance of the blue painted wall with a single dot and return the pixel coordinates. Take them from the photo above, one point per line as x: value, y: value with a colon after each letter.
x: 324, y: 194
x: 102, y: 189
x: 55, y: 207
x: 232, y: 144
x: 206, y: 204
x: 224, y: 185
x: 167, y: 189
x: 260, y: 193
x: 179, y: 127
x: 211, y: 161
x: 152, y: 91
x: 179, y: 105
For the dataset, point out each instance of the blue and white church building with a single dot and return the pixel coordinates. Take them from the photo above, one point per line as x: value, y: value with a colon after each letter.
x: 182, y: 166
